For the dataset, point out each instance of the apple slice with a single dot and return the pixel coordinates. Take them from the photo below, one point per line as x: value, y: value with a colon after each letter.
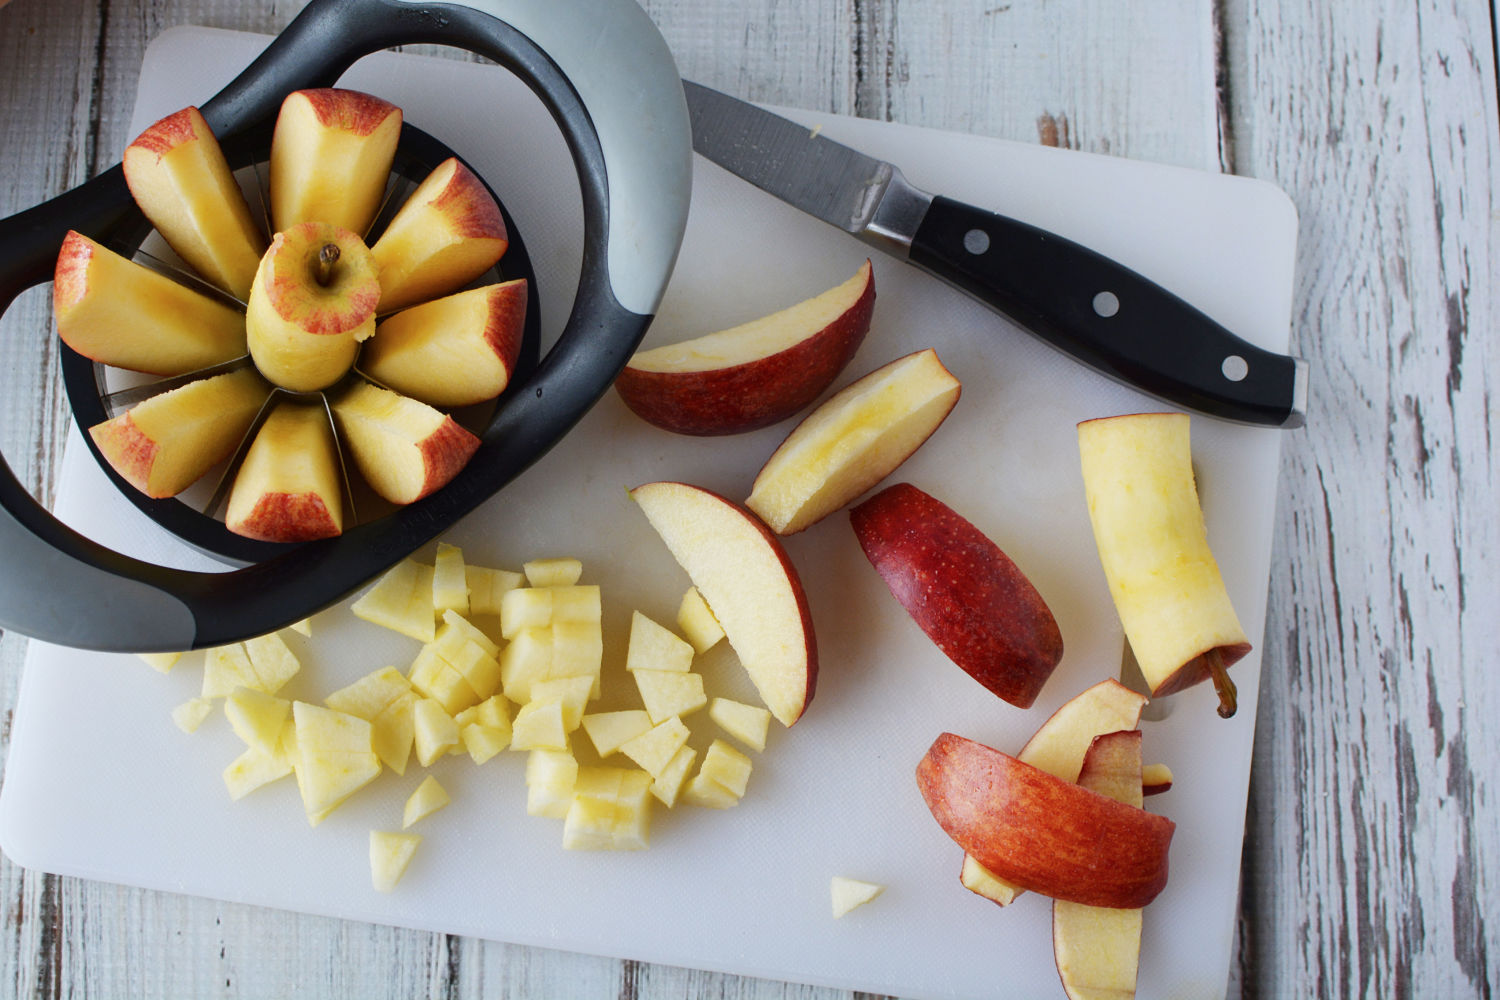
x: 962, y: 590
x: 1041, y: 832
x: 755, y: 374
x: 311, y: 306
x: 179, y: 178
x: 1153, y: 545
x: 453, y: 351
x: 1097, y: 949
x: 287, y: 487
x: 163, y: 444
x: 117, y: 312
x: 404, y: 448
x: 852, y: 441
x: 746, y: 576
x: 449, y: 232
x: 331, y: 158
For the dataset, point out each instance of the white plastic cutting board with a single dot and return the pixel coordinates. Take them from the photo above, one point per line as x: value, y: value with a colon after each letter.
x: 101, y: 784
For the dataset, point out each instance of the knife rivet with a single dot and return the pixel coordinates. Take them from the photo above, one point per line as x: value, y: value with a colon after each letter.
x: 1106, y: 304
x: 1235, y: 368
x: 976, y: 241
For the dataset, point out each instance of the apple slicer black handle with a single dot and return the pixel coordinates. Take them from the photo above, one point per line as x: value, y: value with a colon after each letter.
x: 610, y: 82
x: 1108, y: 316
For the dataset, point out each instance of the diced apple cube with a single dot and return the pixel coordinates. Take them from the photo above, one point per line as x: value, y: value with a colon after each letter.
x: 749, y: 724
x: 726, y: 766
x: 654, y: 749
x: 254, y: 769
x: 526, y: 660
x: 161, y: 662
x: 571, y: 692
x: 433, y: 729
x: 428, y: 798
x: 257, y: 718
x: 192, y: 713
x: 450, y: 582
x: 577, y: 649
x: 494, y: 712
x: 401, y: 600
x: 847, y: 893
x: 456, y: 622
x: 697, y: 622
x: 608, y: 730
x: 226, y: 668
x: 666, y: 693
x: 610, y: 810
x: 590, y: 822
x: 550, y: 776
x: 304, y: 627
x: 706, y: 792
x: 483, y: 742
x: 655, y: 647
x: 539, y: 726
x: 371, y: 694
x: 487, y: 587
x: 577, y: 604
x: 334, y: 757
x: 668, y: 784
x: 524, y: 608
x: 553, y: 572
x: 390, y: 854
x: 273, y: 662
x: 434, y: 677
x: 479, y: 668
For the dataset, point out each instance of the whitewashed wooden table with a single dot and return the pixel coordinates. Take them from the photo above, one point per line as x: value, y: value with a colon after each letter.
x: 1372, y: 852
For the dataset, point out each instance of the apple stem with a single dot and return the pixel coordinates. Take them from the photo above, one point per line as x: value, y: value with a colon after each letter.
x: 1228, y: 699
x: 327, y: 257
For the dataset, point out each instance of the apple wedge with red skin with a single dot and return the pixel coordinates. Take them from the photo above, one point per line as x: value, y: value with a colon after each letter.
x: 1040, y: 832
x: 755, y: 374
x: 964, y: 592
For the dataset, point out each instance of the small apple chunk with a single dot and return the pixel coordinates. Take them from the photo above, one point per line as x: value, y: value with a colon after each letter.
x: 453, y: 351
x: 288, y: 487
x: 1098, y: 949
x: 1153, y: 544
x: 1043, y: 833
x: 964, y: 592
x: 164, y: 444
x: 847, y: 893
x: 120, y: 313
x: 747, y: 723
x: 746, y: 576
x: 179, y: 178
x: 311, y: 306
x: 331, y: 158
x: 755, y: 374
x: 428, y: 798
x: 390, y: 855
x: 449, y: 232
x: 334, y: 757
x: 697, y: 621
x: 404, y: 448
x: 401, y: 600
x: 852, y: 441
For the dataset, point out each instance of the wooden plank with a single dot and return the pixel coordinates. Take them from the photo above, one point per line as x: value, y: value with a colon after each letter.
x: 1370, y: 867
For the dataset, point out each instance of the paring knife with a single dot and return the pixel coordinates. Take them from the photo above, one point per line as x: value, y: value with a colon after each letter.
x: 1081, y: 302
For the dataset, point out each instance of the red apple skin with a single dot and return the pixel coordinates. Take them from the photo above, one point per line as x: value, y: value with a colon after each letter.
x: 131, y: 453
x: 289, y: 517
x: 964, y: 592
x: 756, y: 394
x: 445, y: 453
x: 1040, y: 832
x: 348, y: 110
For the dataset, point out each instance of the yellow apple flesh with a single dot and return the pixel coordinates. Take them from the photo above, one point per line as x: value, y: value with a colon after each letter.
x: 179, y: 178
x: 331, y: 158
x: 312, y: 304
x: 1152, y: 541
x: 852, y: 441
x: 404, y: 448
x: 453, y: 351
x: 287, y: 488
x: 754, y: 374
x: 449, y: 232
x: 117, y: 312
x: 165, y: 443
x: 746, y: 576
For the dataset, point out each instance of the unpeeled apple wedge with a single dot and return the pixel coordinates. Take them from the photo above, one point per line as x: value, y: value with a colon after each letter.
x: 755, y: 374
x: 964, y: 592
x: 287, y: 488
x: 331, y: 158
x: 1043, y: 833
x: 453, y: 351
x: 1153, y: 544
x: 404, y: 448
x: 852, y: 441
x: 745, y: 575
x: 117, y: 312
x: 449, y: 232
x: 1098, y: 949
x: 163, y: 444
x: 179, y: 178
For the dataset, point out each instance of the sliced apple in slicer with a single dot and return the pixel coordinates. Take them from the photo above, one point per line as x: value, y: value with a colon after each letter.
x: 404, y: 448
x: 120, y: 313
x: 179, y: 178
x: 288, y: 488
x: 165, y: 443
x: 331, y: 158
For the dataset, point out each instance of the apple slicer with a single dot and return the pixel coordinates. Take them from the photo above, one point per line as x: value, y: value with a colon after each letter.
x: 609, y: 81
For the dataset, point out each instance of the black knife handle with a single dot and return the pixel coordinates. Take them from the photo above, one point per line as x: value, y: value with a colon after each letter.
x: 1108, y: 316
